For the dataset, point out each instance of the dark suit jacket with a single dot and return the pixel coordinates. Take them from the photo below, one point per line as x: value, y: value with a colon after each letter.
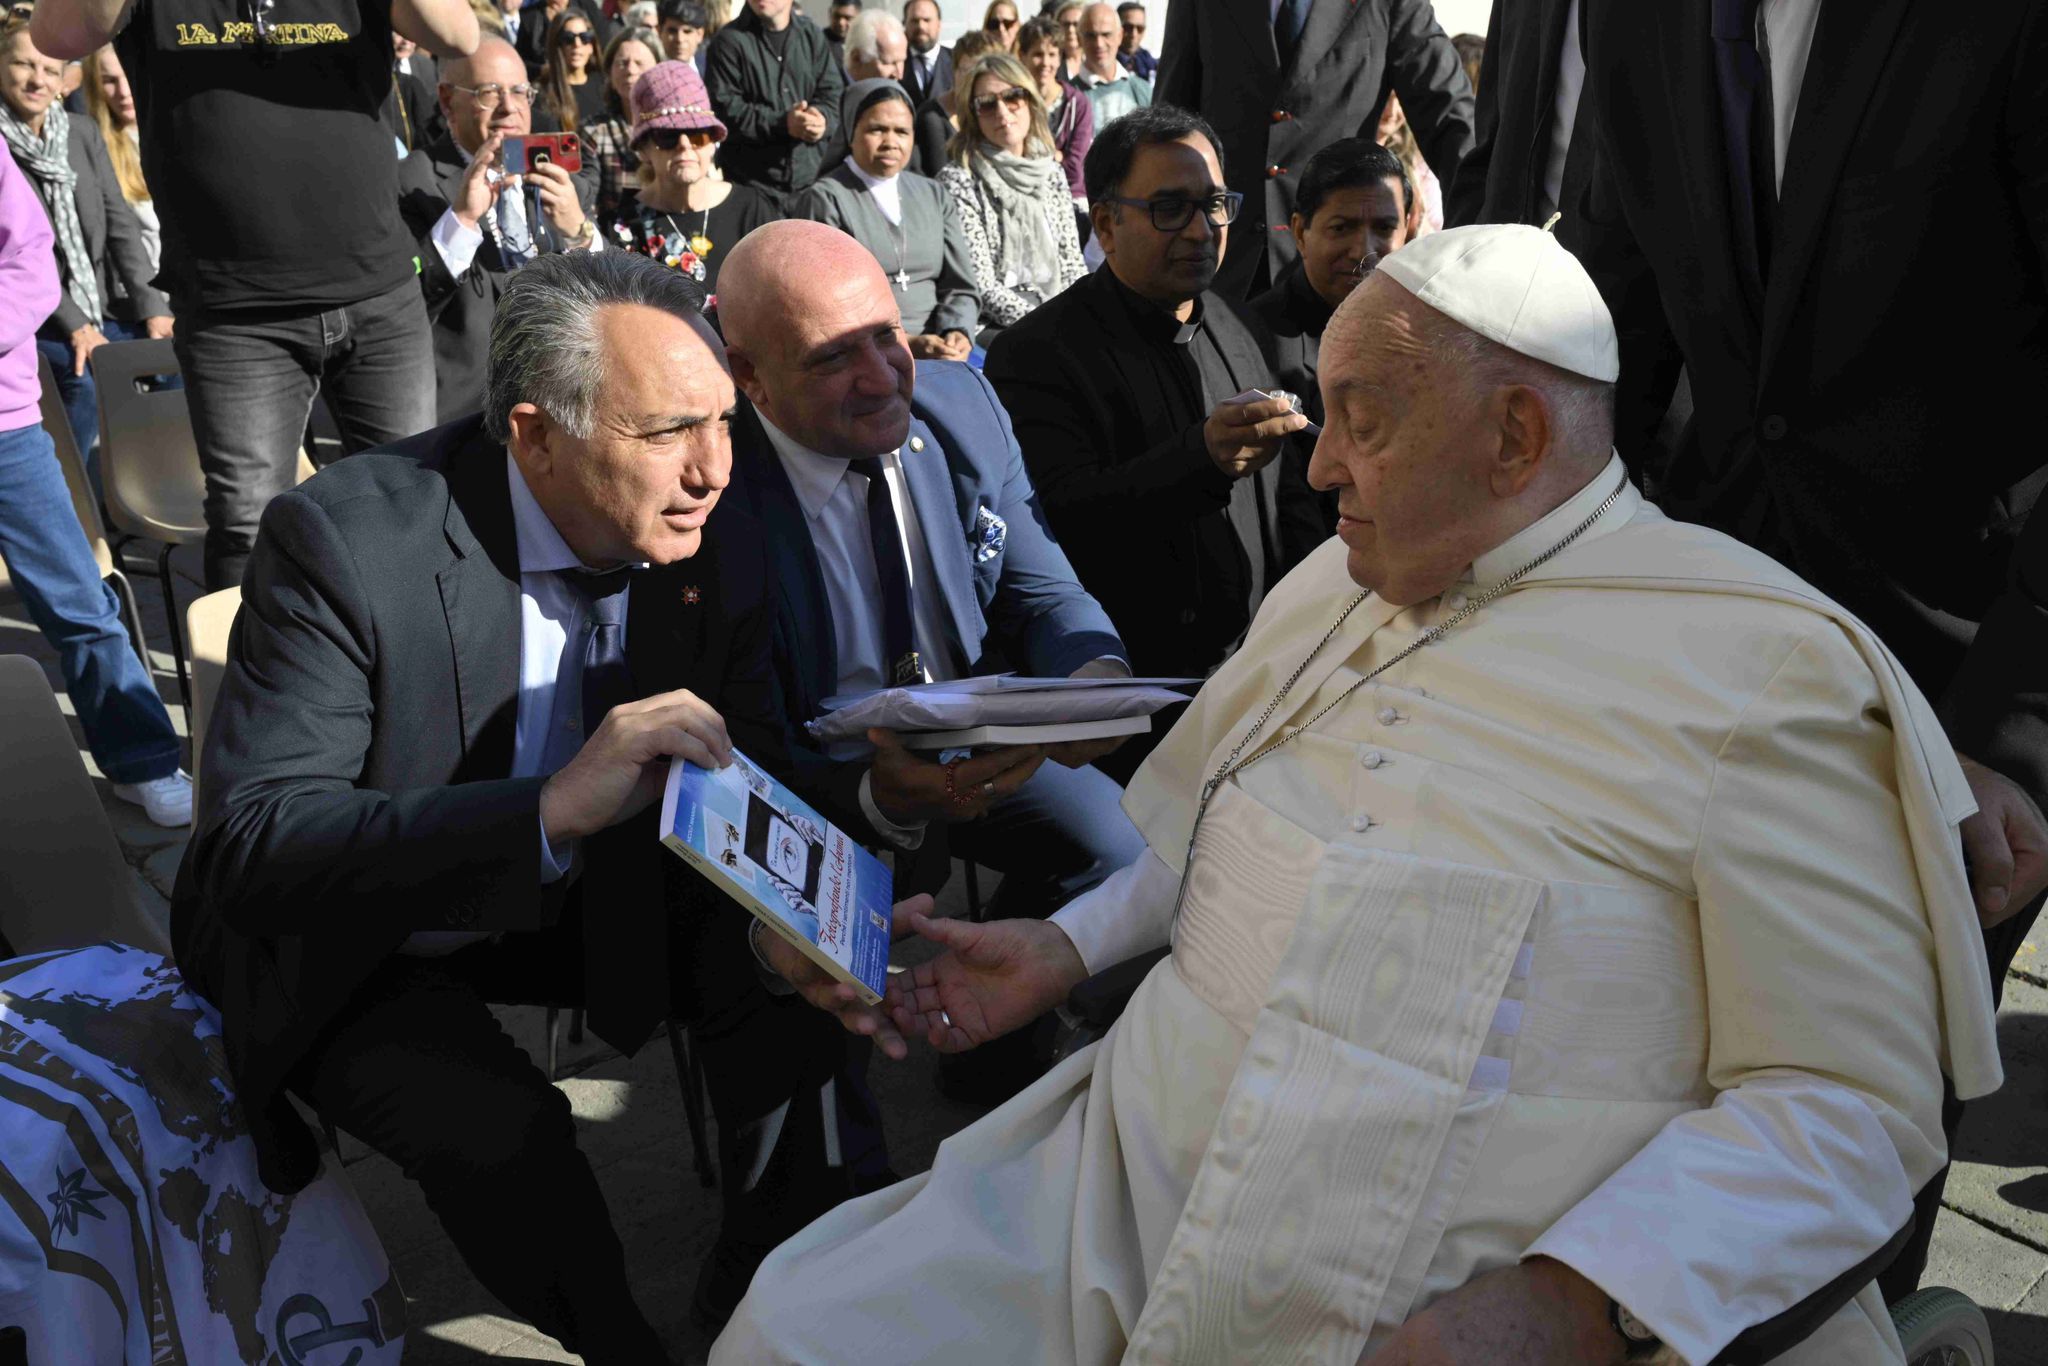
x: 1125, y: 476
x: 752, y: 94
x: 1501, y: 181
x: 462, y: 307
x: 1295, y: 315
x: 1854, y: 421
x: 1013, y: 604
x: 1220, y: 57
x: 942, y: 77
x: 356, y: 766
x: 113, y: 239
x: 933, y: 130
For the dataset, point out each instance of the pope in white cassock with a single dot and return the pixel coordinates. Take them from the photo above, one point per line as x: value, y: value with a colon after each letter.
x: 1569, y: 930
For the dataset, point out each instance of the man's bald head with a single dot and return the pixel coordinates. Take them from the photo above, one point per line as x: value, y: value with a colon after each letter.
x: 815, y: 337
x: 1102, y: 33
x: 493, y: 60
x: 1440, y: 443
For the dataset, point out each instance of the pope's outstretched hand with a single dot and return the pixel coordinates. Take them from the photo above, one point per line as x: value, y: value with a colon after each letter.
x: 993, y: 977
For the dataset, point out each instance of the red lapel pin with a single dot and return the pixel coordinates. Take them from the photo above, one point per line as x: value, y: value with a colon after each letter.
x: 691, y: 597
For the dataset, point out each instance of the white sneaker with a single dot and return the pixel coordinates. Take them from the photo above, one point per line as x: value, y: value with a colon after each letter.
x: 167, y: 801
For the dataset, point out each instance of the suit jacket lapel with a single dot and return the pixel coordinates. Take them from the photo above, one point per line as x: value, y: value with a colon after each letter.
x: 1691, y: 102
x: 1850, y: 48
x: 1256, y: 18
x: 798, y: 578
x: 663, y: 634
x: 928, y: 474
x: 1327, y: 21
x: 480, y: 599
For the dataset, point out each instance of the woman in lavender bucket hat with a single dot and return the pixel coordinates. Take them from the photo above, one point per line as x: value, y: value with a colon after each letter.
x: 689, y: 215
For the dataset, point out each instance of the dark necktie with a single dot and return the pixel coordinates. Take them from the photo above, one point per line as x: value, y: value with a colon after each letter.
x: 1745, y: 88
x: 625, y: 931
x: 899, y: 639
x: 1287, y: 27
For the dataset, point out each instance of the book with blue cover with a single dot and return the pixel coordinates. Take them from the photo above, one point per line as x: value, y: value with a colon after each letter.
x: 800, y: 875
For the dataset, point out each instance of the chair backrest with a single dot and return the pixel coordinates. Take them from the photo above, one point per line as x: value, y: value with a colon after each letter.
x: 208, y: 621
x: 149, y: 461
x: 84, y: 501
x: 63, y: 881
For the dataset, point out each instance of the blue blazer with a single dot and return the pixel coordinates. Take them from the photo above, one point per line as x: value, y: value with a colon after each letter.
x: 1011, y: 598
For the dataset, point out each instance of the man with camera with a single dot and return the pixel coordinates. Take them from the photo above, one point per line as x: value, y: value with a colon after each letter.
x: 477, y: 216
x: 289, y: 270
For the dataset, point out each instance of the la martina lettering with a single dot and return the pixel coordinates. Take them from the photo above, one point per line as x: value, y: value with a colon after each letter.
x: 240, y: 32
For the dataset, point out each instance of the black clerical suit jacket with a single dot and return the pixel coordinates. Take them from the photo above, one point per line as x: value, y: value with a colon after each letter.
x: 1221, y: 57
x: 1125, y: 478
x: 1501, y: 179
x: 356, y: 773
x: 1855, y: 419
x: 1294, y: 315
x: 461, y: 307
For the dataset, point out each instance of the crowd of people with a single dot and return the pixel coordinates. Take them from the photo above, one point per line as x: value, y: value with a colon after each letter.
x: 1615, y: 786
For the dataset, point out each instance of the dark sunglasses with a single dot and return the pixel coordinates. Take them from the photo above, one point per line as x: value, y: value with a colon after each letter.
x: 1014, y: 97
x: 582, y: 36
x: 1173, y: 214
x: 668, y: 139
x: 994, y: 24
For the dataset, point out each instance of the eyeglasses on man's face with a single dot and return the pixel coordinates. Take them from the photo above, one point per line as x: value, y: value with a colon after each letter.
x: 1171, y: 213
x: 1013, y: 97
x: 491, y: 95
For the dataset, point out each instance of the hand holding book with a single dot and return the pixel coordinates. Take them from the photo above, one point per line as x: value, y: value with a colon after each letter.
x: 836, y: 997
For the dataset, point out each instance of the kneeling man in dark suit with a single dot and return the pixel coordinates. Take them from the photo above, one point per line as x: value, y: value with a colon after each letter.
x: 461, y: 667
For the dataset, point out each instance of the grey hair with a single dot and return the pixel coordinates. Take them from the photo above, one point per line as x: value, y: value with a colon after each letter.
x: 864, y: 38
x: 1583, y: 407
x: 546, y: 348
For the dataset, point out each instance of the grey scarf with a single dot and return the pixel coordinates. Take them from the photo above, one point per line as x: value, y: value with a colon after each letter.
x: 1020, y: 188
x: 48, y: 162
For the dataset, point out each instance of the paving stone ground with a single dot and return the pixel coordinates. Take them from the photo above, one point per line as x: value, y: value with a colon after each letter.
x: 1991, y: 1241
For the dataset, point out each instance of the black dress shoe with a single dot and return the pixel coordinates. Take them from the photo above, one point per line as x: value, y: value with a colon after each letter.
x: 722, y: 1283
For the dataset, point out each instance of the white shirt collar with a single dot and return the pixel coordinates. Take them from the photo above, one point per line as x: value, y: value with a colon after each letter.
x: 815, y: 477
x: 887, y: 194
x: 541, y: 548
x: 1547, y: 530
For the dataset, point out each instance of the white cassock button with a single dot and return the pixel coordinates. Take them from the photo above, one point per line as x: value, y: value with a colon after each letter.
x: 1361, y: 822
x: 1455, y: 602
x: 1372, y: 758
x: 1388, y: 716
x: 916, y: 443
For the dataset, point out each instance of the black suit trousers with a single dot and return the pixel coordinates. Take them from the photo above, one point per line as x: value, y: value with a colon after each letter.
x: 419, y: 1069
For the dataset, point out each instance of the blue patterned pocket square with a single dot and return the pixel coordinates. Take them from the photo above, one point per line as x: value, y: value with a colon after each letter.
x: 990, y: 531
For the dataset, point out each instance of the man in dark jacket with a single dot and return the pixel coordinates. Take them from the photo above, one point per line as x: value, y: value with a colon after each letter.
x: 1282, y: 89
x: 775, y: 85
x: 1179, y: 505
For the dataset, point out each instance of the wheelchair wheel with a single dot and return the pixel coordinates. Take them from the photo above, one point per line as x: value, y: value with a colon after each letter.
x: 1941, y: 1327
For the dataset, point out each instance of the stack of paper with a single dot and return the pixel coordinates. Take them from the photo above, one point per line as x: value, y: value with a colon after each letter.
x: 1002, y: 709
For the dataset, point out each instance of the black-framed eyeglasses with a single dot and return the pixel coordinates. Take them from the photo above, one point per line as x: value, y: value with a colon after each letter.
x: 1173, y: 213
x: 668, y: 139
x: 582, y: 37
x: 999, y: 22
x: 491, y: 94
x: 1015, y: 97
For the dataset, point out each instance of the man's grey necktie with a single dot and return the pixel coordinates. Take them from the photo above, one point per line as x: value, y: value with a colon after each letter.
x: 515, y: 234
x: 585, y: 694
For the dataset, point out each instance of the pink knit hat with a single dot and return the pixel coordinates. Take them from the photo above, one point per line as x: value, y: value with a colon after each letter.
x: 671, y: 95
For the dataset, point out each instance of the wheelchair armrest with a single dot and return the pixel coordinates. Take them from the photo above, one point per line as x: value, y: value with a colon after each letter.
x: 1774, y: 1337
x: 1095, y: 1003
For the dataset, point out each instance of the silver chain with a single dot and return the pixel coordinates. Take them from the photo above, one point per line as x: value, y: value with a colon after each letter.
x: 1231, y: 766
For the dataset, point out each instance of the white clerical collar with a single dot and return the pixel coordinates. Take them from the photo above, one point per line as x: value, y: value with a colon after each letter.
x: 1546, y: 531
x: 541, y: 548
x: 887, y: 193
x: 815, y: 477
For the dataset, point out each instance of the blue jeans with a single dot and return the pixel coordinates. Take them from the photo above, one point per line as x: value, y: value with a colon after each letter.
x: 250, y: 381
x: 81, y: 396
x: 52, y: 566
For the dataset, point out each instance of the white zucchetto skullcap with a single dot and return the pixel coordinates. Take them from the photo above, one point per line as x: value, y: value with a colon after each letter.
x: 1514, y: 284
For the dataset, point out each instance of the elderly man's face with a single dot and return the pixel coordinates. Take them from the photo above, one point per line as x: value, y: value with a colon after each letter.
x: 495, y: 72
x: 640, y: 487
x: 1100, y: 35
x: 891, y: 52
x: 1404, y: 445
x: 835, y: 372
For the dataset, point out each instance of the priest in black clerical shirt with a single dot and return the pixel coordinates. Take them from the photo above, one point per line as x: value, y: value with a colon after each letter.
x: 1352, y: 209
x: 1178, y: 507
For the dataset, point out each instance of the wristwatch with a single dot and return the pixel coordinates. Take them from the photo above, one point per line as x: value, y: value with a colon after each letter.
x: 582, y: 240
x: 1643, y: 1342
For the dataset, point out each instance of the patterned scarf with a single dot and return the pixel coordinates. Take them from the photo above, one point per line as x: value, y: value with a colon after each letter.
x: 48, y: 162
x: 1020, y: 188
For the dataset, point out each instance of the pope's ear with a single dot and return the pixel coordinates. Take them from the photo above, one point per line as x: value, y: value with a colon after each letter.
x: 1528, y: 434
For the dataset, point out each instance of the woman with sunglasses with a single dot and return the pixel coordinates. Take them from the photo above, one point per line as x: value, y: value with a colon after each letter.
x: 1011, y: 192
x: 630, y: 54
x: 572, y: 94
x: 999, y: 22
x: 905, y: 220
x: 687, y: 216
